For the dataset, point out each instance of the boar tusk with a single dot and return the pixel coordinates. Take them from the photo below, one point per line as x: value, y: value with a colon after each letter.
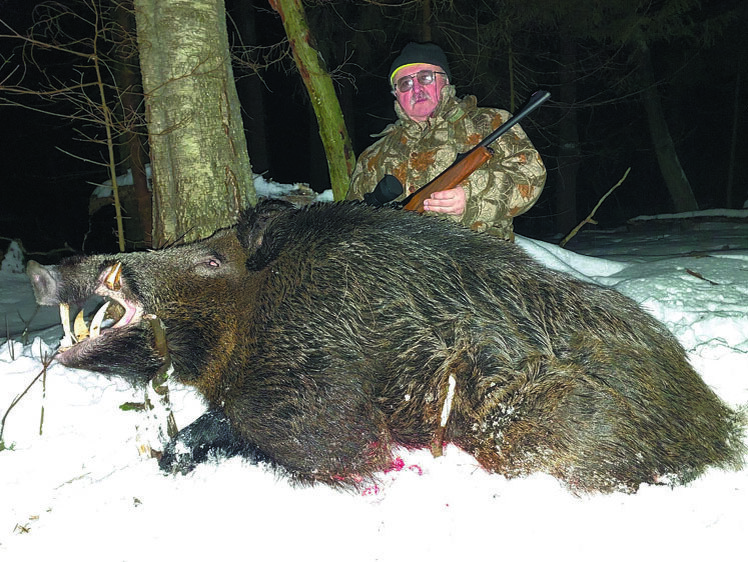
x: 112, y: 279
x: 98, y: 319
x: 79, y: 327
x: 67, y: 339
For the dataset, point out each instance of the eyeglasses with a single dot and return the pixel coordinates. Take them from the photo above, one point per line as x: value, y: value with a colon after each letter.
x: 424, y: 77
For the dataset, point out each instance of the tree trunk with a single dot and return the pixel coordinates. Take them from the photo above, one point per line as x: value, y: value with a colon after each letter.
x: 670, y: 167
x: 426, y: 35
x: 340, y: 156
x: 252, y: 91
x: 730, y: 187
x: 131, y: 144
x: 199, y: 162
x: 568, y: 133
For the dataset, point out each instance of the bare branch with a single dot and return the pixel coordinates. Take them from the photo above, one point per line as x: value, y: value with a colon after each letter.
x: 589, y: 218
x: 46, y: 361
x: 92, y: 97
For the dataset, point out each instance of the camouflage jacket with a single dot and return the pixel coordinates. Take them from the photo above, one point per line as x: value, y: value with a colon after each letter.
x: 416, y: 152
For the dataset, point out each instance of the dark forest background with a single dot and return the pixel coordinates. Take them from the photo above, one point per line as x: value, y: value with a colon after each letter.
x: 592, y: 56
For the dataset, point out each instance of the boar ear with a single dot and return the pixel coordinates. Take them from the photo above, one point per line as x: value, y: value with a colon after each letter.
x: 253, y: 227
x: 255, y: 220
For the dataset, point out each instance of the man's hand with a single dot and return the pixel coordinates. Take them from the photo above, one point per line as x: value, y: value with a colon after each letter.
x: 450, y: 201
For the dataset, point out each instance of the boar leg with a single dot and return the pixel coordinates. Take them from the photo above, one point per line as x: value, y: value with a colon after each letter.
x: 210, y: 434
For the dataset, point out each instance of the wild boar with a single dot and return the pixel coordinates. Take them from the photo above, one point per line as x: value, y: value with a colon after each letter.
x: 322, y: 337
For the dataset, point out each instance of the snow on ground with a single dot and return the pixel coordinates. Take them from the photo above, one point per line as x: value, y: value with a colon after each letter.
x: 79, y: 489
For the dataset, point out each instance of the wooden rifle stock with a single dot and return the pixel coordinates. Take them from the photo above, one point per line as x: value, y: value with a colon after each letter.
x: 465, y: 164
x: 449, y: 178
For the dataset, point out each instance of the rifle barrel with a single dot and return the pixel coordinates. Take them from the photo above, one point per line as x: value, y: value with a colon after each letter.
x: 535, y: 100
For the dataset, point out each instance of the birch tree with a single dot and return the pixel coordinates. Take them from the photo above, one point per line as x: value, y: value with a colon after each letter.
x: 199, y: 160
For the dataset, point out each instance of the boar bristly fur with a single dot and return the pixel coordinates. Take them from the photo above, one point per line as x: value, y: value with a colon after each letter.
x: 324, y: 336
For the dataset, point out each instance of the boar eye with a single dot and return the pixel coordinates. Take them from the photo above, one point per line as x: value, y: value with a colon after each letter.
x: 210, y: 263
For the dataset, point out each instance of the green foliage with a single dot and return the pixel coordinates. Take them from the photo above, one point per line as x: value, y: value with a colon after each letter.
x: 133, y: 407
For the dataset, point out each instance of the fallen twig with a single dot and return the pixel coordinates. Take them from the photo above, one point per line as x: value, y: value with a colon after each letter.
x: 46, y: 361
x: 44, y: 387
x: 161, y: 426
x: 700, y: 276
x: 9, y: 342
x: 589, y: 218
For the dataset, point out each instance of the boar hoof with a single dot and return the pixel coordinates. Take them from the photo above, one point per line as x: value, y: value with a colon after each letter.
x: 208, y: 436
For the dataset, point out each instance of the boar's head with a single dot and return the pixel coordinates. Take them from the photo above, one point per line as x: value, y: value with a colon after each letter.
x: 200, y: 293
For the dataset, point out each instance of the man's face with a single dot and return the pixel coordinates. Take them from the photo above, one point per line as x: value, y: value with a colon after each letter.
x: 419, y: 102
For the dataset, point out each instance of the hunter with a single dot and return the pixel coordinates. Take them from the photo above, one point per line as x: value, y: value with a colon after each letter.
x: 433, y: 126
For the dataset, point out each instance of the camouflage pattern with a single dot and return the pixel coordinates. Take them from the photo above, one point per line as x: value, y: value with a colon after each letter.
x: 416, y: 152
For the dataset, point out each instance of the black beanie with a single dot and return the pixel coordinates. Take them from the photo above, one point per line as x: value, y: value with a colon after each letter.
x: 423, y: 53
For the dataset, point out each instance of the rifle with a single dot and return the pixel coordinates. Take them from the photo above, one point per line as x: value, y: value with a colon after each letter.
x: 464, y: 165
